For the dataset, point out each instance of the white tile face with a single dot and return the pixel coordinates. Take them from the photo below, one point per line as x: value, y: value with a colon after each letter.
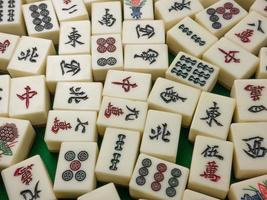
x: 161, y: 135
x: 121, y: 113
x: 70, y: 10
x: 75, y: 37
x: 41, y: 20
x: 191, y: 195
x: 240, y: 190
x: 117, y: 157
x: 259, y: 6
x: 107, y: 191
x: 8, y: 44
x: 251, y: 98
x: 262, y: 69
x: 192, y: 71
x: 221, y: 16
x: 30, y: 57
x: 16, y: 138
x: 154, y: 178
x: 234, y: 62
x: 72, y: 68
x: 213, y: 116
x: 210, y: 170
x: 138, y: 10
x: 78, y: 96
x: 174, y: 97
x: 75, y: 169
x: 143, y: 32
x: 250, y: 143
x: 30, y: 178
x: 106, y: 54
x: 106, y: 18
x: 173, y: 11
x: 250, y: 33
x: 152, y: 59
x: 70, y: 126
x: 29, y: 99
x: 4, y: 95
x: 11, y: 20
x: 128, y: 85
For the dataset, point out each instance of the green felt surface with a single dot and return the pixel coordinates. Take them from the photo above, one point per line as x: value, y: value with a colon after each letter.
x: 184, y: 155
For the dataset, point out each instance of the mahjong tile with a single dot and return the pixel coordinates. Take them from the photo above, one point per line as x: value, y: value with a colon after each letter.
x: 245, y: 4
x: 262, y: 69
x: 4, y: 95
x: 138, y: 10
x: 192, y: 195
x: 259, y: 6
x: 207, y: 3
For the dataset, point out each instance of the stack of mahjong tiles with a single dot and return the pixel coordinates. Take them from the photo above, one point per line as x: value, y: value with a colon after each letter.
x: 133, y: 99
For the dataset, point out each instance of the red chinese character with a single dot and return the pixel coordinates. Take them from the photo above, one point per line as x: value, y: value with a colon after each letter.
x: 60, y: 125
x: 4, y: 45
x: 112, y: 110
x: 255, y: 91
x: 210, y: 173
x: 245, y: 35
x: 125, y: 84
x: 230, y: 56
x: 67, y: 1
x: 27, y: 96
x: 25, y: 173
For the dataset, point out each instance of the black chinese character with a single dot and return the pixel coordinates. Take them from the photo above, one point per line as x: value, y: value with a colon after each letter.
x: 107, y: 19
x: 30, y: 53
x: 212, y: 152
x: 74, y: 38
x: 77, y: 95
x: 255, y: 149
x: 29, y: 195
x: 259, y: 27
x: 71, y: 9
x: 146, y: 31
x: 82, y: 124
x: 150, y: 55
x: 72, y: 67
x: 169, y: 95
x: 212, y: 114
x: 133, y: 115
x: 180, y: 6
x: 114, y: 161
x: 162, y: 131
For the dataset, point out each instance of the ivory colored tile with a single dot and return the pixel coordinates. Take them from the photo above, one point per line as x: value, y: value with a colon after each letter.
x: 4, y: 95
x: 234, y: 62
x: 191, y: 195
x: 161, y: 135
x: 210, y: 171
x: 171, y: 11
x: 128, y: 85
x: 16, y: 138
x: 251, y: 98
x: 221, y: 16
x: 192, y: 71
x: 250, y: 155
x: 259, y: 6
x: 174, y: 97
x: 138, y: 10
x: 117, y: 156
x: 262, y: 69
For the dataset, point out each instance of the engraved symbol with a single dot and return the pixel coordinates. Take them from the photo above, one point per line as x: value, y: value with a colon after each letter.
x: 11, y: 11
x: 114, y: 161
x: 257, y: 109
x: 74, y: 37
x: 259, y: 27
x: 212, y: 152
x: 136, y: 6
x: 145, y: 31
x: 1, y: 90
x: 180, y: 6
x: 173, y: 182
x: 150, y: 55
x: 75, y: 166
x: 210, y: 172
x: 107, y: 19
x: 72, y: 67
x: 120, y: 142
x: 82, y: 124
x: 8, y: 135
x: 60, y: 125
x: 255, y: 148
x: 125, y: 84
x: 4, y: 45
x: 158, y: 177
x: 116, y: 156
x: 77, y: 95
x: 112, y: 110
x: 260, y: 192
x: 25, y: 173
x: 106, y: 45
x: 143, y: 172
x: 160, y: 131
x: 194, y: 37
x: 109, y: 61
x: 245, y: 35
x: 30, y: 54
x: 71, y: 9
x: 27, y: 96
x: 29, y: 195
x: 212, y: 114
x: 169, y: 95
x: 132, y: 115
x: 255, y: 91
x: 230, y: 56
x: 66, y: 2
